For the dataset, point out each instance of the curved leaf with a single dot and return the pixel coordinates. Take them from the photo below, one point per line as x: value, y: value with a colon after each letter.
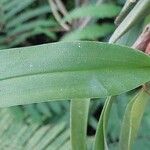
x: 17, y: 7
x: 132, y: 119
x: 28, y: 15
x: 136, y: 14
x: 69, y: 71
x: 98, y: 11
x: 100, y: 138
x: 27, y: 134
x: 89, y: 32
x: 128, y: 6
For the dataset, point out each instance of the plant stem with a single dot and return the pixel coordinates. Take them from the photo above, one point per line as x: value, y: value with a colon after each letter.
x: 57, y: 15
x: 78, y: 122
x: 61, y: 7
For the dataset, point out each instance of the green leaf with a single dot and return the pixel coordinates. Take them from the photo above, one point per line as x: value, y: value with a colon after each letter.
x: 17, y: 7
x: 98, y: 11
x: 27, y: 134
x: 30, y: 26
x: 79, y: 117
x: 132, y: 119
x: 30, y: 14
x: 136, y: 15
x: 131, y: 36
x: 89, y: 32
x: 128, y: 6
x: 28, y: 34
x: 69, y: 70
x: 147, y: 20
x: 100, y: 138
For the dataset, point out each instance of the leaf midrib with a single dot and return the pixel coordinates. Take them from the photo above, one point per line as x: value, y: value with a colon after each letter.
x: 72, y: 71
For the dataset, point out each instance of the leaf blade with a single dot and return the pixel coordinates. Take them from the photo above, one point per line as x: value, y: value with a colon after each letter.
x: 93, y: 11
x: 132, y: 119
x: 100, y: 137
x: 135, y: 15
x: 69, y: 70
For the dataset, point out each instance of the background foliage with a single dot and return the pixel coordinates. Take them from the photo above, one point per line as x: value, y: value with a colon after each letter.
x: 45, y: 126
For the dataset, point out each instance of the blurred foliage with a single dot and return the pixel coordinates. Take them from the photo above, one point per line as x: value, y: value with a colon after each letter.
x: 46, y: 125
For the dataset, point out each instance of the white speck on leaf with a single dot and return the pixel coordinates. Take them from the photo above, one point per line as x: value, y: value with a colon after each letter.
x: 79, y: 45
x: 31, y: 65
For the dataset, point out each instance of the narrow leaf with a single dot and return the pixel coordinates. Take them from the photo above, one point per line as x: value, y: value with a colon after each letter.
x: 89, y: 32
x: 136, y: 15
x: 98, y: 11
x: 28, y: 15
x: 100, y: 138
x: 125, y: 10
x: 132, y: 119
x: 79, y: 117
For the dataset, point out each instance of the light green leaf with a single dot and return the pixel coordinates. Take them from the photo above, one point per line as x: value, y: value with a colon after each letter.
x: 17, y: 7
x: 128, y: 6
x: 100, y: 138
x: 89, y: 32
x: 132, y: 119
x: 79, y: 117
x: 69, y: 70
x: 28, y: 15
x: 136, y: 15
x: 98, y: 11
x: 131, y: 36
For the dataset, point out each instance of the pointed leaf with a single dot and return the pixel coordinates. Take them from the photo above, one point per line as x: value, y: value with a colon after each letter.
x: 100, y: 138
x: 89, y: 32
x: 69, y: 70
x: 137, y: 14
x: 98, y: 11
x: 132, y: 119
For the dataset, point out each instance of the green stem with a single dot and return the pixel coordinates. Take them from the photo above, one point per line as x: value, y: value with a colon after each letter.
x: 79, y: 117
x: 100, y: 138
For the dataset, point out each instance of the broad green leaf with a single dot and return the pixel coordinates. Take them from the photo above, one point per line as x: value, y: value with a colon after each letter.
x: 89, y: 32
x: 132, y: 119
x: 98, y: 11
x: 100, y: 138
x: 69, y: 70
x: 79, y: 117
x: 137, y: 14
